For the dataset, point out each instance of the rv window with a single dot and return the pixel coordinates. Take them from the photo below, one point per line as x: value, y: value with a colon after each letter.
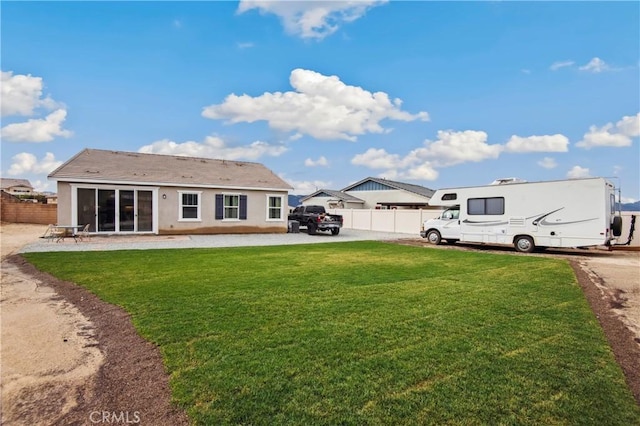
x: 485, y: 206
x: 450, y: 196
x: 613, y: 203
x: 451, y: 214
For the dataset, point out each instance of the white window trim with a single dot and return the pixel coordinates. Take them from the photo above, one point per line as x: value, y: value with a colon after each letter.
x: 282, y: 205
x: 199, y: 207
x: 224, y: 207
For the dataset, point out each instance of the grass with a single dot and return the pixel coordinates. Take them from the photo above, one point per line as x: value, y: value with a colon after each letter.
x: 364, y: 333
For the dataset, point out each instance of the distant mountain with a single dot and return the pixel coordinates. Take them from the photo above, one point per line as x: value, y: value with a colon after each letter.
x: 630, y: 207
x: 294, y: 200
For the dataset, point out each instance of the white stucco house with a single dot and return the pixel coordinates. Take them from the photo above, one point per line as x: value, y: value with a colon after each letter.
x: 118, y: 192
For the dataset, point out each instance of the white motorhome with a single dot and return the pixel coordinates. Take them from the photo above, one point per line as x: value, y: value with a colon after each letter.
x: 563, y: 213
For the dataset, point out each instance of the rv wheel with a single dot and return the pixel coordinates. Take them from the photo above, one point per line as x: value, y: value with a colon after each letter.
x: 524, y: 244
x: 616, y: 226
x: 434, y: 237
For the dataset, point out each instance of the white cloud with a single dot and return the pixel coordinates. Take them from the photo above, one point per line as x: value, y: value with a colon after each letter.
x: 453, y: 148
x: 244, y: 45
x: 37, y: 130
x: 577, y: 172
x: 595, y: 65
x: 548, y: 163
x: 306, y: 187
x: 25, y: 162
x: 321, y: 106
x: 561, y: 64
x: 545, y: 143
x: 629, y: 125
x: 424, y: 171
x: 42, y: 186
x: 422, y: 163
x: 214, y: 147
x: 377, y: 159
x: 22, y: 94
x: 311, y: 19
x: 612, y: 135
x: 322, y: 161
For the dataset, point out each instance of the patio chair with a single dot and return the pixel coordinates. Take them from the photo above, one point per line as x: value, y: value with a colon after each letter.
x: 48, y: 233
x: 84, y: 232
x: 58, y: 233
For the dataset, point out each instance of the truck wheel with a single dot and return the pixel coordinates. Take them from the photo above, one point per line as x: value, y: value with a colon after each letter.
x: 616, y: 226
x: 311, y: 228
x: 434, y: 237
x: 524, y: 244
x: 335, y: 231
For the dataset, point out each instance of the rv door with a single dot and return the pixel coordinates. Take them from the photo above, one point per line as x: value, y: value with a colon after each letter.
x: 450, y: 225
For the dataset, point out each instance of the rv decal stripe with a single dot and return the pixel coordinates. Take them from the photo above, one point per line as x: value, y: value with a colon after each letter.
x: 545, y: 223
x: 486, y: 223
x: 535, y: 221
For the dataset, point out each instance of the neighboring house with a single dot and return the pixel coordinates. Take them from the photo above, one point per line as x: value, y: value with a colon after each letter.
x: 51, y: 198
x: 373, y: 193
x: 129, y: 192
x: 16, y: 186
x: 333, y: 200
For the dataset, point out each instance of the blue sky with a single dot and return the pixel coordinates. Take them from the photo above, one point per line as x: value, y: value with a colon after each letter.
x: 438, y: 94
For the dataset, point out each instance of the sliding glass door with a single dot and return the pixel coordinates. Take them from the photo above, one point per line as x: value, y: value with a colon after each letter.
x: 115, y: 210
x: 87, y: 208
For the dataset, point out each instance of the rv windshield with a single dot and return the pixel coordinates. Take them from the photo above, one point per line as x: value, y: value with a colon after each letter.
x: 451, y: 214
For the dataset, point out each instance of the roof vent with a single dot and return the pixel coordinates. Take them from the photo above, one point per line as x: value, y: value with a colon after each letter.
x: 504, y: 181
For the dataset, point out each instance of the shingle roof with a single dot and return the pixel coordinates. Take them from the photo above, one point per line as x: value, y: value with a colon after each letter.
x: 9, y: 183
x: 417, y: 189
x: 95, y: 165
x: 336, y: 194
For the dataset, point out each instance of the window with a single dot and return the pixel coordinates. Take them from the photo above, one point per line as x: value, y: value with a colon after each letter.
x: 485, y: 206
x: 450, y: 196
x: 613, y: 203
x: 451, y: 214
x: 189, y: 206
x: 274, y: 207
x: 231, y: 207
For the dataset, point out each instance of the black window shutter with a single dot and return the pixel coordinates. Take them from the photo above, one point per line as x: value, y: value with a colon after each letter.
x: 243, y: 207
x: 219, y: 207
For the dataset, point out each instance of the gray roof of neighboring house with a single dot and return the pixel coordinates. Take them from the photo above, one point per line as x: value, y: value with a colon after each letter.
x: 96, y: 165
x: 417, y: 189
x: 336, y: 194
x: 10, y: 183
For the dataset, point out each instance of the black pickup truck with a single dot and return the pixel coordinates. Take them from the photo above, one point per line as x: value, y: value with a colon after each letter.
x: 315, y: 218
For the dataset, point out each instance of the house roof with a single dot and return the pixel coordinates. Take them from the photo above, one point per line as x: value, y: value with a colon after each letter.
x: 334, y: 194
x: 10, y: 183
x: 97, y: 166
x: 417, y: 189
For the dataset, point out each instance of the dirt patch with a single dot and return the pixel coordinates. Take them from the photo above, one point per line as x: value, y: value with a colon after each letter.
x: 69, y: 358
x: 131, y: 382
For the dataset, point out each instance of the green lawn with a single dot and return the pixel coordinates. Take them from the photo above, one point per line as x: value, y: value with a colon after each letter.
x: 364, y: 333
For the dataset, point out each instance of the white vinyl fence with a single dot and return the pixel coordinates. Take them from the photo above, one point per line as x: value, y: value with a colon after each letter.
x: 394, y: 220
x: 409, y: 221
